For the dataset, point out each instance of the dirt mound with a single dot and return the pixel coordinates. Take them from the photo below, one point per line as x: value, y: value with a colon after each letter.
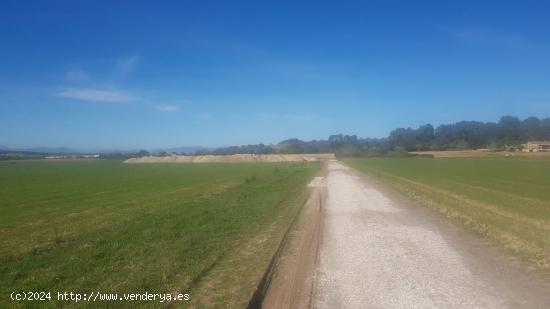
x: 237, y: 158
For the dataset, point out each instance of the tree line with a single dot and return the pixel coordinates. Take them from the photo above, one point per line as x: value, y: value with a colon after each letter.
x: 508, y: 133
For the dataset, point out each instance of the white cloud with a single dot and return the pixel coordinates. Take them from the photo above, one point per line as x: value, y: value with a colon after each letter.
x: 77, y: 76
x: 95, y: 95
x: 167, y: 108
x: 127, y: 64
x: 488, y: 37
x: 88, y: 90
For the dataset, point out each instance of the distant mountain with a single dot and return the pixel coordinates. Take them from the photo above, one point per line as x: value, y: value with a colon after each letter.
x: 50, y: 150
x: 185, y: 149
x: 112, y: 151
x: 66, y: 150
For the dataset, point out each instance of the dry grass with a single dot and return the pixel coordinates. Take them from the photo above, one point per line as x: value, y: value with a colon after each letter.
x: 479, y: 153
x: 503, y: 199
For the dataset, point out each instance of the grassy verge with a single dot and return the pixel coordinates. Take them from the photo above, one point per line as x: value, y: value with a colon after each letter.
x: 504, y: 199
x: 109, y: 227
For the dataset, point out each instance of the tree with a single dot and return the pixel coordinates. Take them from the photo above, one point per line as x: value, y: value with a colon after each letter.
x: 142, y: 153
x: 424, y: 136
x: 532, y: 128
x: 405, y: 138
x: 510, y: 130
x: 460, y: 135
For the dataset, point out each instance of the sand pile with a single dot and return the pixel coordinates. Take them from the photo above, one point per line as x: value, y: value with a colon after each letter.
x: 234, y: 158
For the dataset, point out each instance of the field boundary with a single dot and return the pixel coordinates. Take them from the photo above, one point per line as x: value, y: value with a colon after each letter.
x: 287, y: 281
x: 444, y: 202
x: 210, y: 230
x: 479, y: 153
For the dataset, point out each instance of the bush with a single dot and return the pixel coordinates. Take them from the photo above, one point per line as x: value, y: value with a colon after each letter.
x: 250, y: 179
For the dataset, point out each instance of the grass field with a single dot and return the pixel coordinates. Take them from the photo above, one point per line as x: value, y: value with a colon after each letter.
x: 504, y: 199
x: 104, y: 226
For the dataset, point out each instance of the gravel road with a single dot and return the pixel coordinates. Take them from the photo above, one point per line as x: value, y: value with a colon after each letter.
x: 379, y: 251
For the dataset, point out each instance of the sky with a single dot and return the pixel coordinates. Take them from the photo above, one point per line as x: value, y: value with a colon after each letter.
x: 95, y: 75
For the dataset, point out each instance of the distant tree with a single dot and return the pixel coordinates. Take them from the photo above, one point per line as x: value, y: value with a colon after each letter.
x: 424, y: 136
x: 510, y: 130
x: 403, y: 138
x: 532, y: 128
x: 545, y: 124
x: 292, y: 145
x: 142, y: 153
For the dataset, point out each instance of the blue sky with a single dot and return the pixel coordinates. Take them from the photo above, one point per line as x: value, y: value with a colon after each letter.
x: 114, y: 75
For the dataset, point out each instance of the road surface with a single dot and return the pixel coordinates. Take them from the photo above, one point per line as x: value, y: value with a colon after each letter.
x: 379, y: 251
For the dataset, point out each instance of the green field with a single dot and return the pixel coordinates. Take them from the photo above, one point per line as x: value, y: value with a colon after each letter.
x: 100, y: 225
x: 504, y: 199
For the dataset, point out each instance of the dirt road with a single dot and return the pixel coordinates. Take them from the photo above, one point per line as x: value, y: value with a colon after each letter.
x: 378, y: 251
